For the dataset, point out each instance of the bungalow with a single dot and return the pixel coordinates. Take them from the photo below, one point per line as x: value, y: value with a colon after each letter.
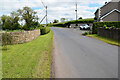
x: 109, y: 12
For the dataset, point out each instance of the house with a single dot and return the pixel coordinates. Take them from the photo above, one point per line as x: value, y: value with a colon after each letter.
x: 108, y: 12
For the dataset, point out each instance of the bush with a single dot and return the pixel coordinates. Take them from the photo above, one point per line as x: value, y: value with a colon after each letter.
x: 86, y: 33
x: 44, y: 30
x: 6, y: 39
x: 96, y: 25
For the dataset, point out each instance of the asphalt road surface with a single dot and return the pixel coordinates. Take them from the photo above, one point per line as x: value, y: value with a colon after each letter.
x: 77, y: 56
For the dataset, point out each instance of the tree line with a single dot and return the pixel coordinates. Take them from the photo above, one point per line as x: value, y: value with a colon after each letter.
x: 63, y: 20
x: 26, y: 15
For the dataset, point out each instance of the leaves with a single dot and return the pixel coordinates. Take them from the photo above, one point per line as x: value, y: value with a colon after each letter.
x: 29, y: 16
x: 12, y: 22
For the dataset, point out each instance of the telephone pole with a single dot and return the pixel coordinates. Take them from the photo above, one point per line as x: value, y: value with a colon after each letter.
x: 76, y: 11
x: 46, y: 17
x: 46, y: 13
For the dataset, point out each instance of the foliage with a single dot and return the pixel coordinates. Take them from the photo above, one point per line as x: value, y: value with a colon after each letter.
x: 6, y: 39
x: 10, y: 22
x: 67, y: 23
x: 28, y: 60
x: 30, y: 17
x: 62, y: 19
x: 96, y: 25
x: 85, y: 33
x: 80, y: 18
x: 55, y: 21
x: 44, y: 30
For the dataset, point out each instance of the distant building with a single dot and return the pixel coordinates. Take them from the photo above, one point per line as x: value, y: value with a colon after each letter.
x: 109, y: 12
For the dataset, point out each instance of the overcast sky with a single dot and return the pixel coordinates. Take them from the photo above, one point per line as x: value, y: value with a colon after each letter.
x: 56, y: 8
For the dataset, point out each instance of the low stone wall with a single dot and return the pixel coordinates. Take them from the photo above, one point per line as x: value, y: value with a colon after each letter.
x: 24, y: 36
x: 109, y: 33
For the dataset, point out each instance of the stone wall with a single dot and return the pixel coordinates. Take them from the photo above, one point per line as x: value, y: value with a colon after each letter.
x: 24, y: 36
x: 109, y: 33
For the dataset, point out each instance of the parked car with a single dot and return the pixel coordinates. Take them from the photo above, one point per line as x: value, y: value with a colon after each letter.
x: 84, y: 27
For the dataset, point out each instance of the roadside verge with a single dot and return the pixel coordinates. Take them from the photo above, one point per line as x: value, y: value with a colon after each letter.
x: 28, y: 60
x: 104, y: 39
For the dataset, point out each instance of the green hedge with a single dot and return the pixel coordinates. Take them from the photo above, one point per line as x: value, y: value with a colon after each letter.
x: 96, y: 25
x: 64, y: 24
x: 44, y: 30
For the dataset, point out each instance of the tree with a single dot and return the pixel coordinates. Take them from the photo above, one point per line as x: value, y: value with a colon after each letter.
x: 29, y: 16
x: 62, y: 19
x: 80, y: 18
x: 0, y: 23
x: 14, y: 20
x: 6, y: 22
x: 10, y: 22
x: 55, y: 21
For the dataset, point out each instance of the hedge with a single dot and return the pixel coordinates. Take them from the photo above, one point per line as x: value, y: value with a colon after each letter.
x: 64, y: 24
x: 96, y: 25
x: 44, y: 30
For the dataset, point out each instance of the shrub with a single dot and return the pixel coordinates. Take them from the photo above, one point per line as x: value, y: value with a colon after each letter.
x: 6, y: 39
x: 44, y: 30
x: 86, y: 33
x: 96, y: 25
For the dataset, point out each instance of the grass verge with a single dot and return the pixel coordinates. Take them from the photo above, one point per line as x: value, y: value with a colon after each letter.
x: 104, y: 39
x: 0, y: 62
x: 28, y: 60
x: 58, y: 27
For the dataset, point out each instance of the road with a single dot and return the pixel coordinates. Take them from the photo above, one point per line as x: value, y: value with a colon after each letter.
x: 78, y: 56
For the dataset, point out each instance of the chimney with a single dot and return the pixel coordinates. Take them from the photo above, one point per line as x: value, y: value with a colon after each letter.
x: 105, y: 2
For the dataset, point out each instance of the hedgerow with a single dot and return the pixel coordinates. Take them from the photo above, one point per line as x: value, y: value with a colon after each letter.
x: 96, y: 25
x: 64, y: 24
x: 44, y: 30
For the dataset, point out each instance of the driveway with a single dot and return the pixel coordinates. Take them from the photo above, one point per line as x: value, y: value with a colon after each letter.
x: 77, y: 56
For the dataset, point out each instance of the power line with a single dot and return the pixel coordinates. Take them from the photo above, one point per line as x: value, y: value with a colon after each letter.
x: 46, y: 13
x: 43, y: 3
x: 42, y: 11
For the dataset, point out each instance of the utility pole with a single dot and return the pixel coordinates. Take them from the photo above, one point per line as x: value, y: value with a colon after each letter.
x: 46, y: 16
x: 46, y: 13
x: 76, y: 11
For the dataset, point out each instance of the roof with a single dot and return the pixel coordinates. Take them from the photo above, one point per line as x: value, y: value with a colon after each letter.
x: 96, y: 11
x: 107, y: 4
x: 110, y: 13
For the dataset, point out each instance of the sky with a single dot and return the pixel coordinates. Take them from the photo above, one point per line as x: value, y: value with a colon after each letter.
x: 56, y: 8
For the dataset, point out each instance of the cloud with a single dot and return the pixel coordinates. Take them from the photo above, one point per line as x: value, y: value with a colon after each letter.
x: 56, y: 8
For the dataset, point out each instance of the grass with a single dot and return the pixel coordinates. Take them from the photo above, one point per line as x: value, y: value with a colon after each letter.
x: 104, y: 39
x: 58, y: 27
x: 0, y: 63
x: 28, y: 60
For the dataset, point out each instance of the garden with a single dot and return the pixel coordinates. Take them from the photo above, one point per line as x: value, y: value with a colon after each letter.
x: 106, y: 31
